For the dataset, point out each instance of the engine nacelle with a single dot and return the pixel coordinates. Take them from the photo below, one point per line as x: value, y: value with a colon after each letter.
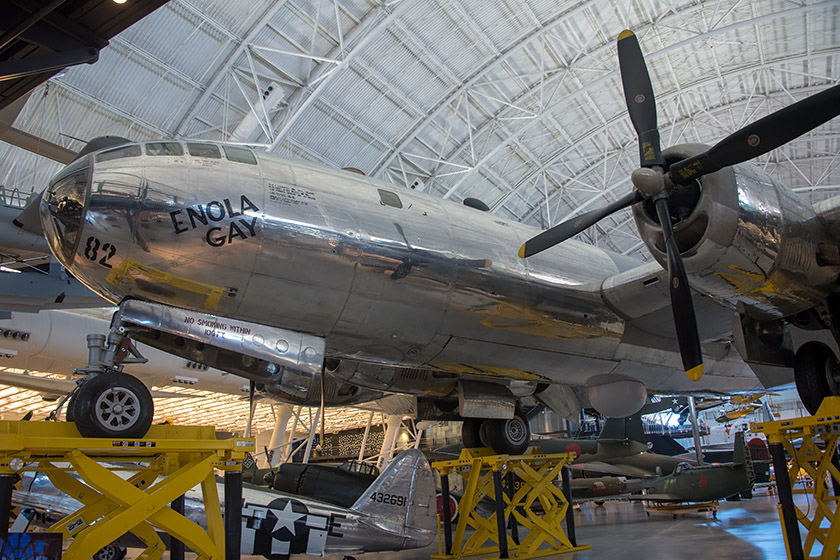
x: 747, y: 240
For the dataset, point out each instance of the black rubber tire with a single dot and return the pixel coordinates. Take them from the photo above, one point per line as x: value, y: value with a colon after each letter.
x: 113, y: 405
x: 471, y: 432
x: 69, y: 408
x: 511, y: 436
x: 484, y: 432
x: 810, y: 370
x: 110, y: 552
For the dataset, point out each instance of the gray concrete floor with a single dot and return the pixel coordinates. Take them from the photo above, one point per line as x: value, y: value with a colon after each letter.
x: 744, y: 530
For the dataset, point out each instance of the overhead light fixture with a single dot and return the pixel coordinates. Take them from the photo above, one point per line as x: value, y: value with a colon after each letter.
x: 119, y: 1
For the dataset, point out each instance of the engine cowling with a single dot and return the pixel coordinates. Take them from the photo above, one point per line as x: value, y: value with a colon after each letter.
x: 746, y: 240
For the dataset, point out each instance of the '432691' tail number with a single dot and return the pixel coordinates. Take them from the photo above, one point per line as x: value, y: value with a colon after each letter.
x: 392, y: 499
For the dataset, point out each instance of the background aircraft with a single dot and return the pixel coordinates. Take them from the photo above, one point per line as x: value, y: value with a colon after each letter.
x: 687, y: 483
x: 401, y: 292
x: 620, y: 450
x: 398, y: 511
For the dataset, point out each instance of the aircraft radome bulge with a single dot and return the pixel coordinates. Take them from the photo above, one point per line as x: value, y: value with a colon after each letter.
x: 616, y: 395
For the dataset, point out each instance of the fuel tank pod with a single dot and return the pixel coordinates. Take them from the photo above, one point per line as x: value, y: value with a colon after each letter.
x: 745, y: 240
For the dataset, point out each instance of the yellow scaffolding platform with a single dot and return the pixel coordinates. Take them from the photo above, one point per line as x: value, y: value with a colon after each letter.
x: 534, y: 501
x: 820, y: 465
x: 182, y: 456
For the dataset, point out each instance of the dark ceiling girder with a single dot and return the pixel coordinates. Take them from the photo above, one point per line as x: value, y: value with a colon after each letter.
x: 33, y: 18
x: 40, y: 37
x: 52, y: 62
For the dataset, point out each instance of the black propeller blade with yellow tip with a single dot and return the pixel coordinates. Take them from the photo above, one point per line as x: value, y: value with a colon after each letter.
x: 570, y: 228
x: 765, y: 134
x: 638, y: 94
x: 641, y: 104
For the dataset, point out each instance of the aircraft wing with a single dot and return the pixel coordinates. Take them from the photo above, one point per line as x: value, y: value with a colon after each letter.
x: 608, y: 469
x: 632, y: 498
x: 31, y: 291
x: 654, y: 497
x: 58, y: 387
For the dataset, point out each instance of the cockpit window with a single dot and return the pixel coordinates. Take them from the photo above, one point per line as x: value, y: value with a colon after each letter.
x: 390, y: 199
x: 65, y: 201
x: 240, y: 155
x: 681, y: 467
x: 204, y: 150
x: 164, y: 149
x: 132, y: 150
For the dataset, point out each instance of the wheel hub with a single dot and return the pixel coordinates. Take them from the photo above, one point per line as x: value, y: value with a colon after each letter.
x: 832, y: 374
x: 117, y: 408
x: 515, y: 430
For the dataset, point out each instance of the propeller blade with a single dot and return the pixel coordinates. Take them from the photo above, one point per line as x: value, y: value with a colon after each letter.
x: 765, y: 134
x: 682, y: 306
x: 570, y: 228
x: 638, y: 93
x: 251, y: 407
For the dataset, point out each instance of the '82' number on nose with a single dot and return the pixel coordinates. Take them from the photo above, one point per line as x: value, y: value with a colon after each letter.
x: 92, y: 251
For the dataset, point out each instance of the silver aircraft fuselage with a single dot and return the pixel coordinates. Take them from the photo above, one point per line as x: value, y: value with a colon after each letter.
x: 384, y: 275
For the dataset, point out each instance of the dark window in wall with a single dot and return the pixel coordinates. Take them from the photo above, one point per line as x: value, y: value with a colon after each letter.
x: 164, y: 149
x: 240, y: 155
x: 204, y: 150
x: 390, y: 199
x: 132, y: 150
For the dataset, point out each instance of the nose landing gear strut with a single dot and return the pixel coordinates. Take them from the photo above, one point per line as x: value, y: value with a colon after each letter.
x: 107, y: 402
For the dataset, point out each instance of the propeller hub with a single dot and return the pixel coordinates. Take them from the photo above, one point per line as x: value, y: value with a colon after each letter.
x: 648, y: 181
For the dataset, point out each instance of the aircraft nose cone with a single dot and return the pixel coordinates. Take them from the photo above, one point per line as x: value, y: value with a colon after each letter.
x: 63, y: 207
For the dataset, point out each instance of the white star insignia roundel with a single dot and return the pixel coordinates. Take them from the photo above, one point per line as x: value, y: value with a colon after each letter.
x: 286, y: 518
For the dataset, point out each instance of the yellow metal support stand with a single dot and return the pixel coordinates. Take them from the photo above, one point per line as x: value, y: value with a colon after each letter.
x: 536, y: 503
x: 181, y: 456
x: 819, y: 464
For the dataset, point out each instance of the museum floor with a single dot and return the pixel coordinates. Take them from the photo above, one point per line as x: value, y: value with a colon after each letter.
x: 745, y: 530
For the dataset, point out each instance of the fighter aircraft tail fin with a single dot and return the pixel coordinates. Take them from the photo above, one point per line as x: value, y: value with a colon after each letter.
x: 402, y: 499
x: 624, y: 428
x: 739, y: 455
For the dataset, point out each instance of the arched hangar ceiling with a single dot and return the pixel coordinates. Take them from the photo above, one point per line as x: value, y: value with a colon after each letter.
x: 516, y: 102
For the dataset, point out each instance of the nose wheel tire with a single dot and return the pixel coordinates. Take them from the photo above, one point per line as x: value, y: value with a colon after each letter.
x: 69, y: 409
x: 113, y: 405
x: 817, y: 375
